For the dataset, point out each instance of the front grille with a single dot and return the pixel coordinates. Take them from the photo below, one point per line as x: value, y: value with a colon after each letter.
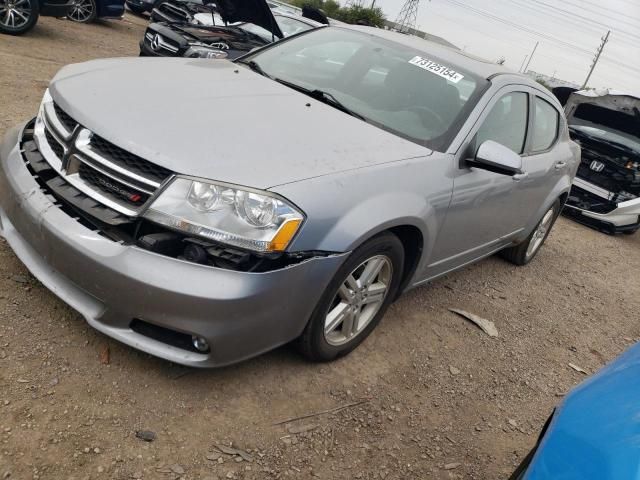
x: 68, y: 122
x: 111, y: 187
x: 54, y: 144
x: 99, y: 169
x: 160, y: 44
x: 128, y: 160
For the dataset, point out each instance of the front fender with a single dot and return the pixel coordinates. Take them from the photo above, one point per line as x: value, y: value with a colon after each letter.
x: 344, y: 210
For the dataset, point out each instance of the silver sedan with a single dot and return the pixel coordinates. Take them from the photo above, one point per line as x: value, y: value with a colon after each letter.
x: 207, y: 211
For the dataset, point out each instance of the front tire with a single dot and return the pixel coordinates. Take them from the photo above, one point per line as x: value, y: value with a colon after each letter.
x: 18, y: 16
x: 355, y: 300
x: 524, y: 252
x: 83, y: 11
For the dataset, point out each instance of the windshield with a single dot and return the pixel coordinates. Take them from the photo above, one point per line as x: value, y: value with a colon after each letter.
x: 405, y: 91
x: 607, y: 124
x: 289, y: 26
x: 610, y: 135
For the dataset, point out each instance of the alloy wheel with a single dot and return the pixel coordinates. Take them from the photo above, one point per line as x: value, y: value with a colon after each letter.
x: 540, y: 233
x: 15, y: 13
x: 81, y: 11
x: 358, y: 300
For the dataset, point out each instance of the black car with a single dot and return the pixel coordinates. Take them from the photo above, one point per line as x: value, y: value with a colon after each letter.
x: 20, y: 16
x: 192, y: 29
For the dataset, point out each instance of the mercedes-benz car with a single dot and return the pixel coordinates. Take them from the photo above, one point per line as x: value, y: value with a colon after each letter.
x: 20, y: 16
x: 160, y: 199
x: 87, y: 11
x: 200, y: 31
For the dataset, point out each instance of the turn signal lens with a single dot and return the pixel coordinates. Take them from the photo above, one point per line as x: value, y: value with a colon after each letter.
x: 284, y: 235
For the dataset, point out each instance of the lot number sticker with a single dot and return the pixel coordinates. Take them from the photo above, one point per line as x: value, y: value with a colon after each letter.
x: 433, y: 67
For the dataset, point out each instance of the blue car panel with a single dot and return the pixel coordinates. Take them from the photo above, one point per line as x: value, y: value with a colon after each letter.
x: 595, y: 433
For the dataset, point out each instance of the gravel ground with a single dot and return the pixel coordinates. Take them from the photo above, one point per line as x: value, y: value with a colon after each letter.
x: 428, y: 395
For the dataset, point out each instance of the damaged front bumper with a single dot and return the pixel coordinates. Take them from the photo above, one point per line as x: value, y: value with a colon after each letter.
x: 590, y: 205
x: 146, y: 300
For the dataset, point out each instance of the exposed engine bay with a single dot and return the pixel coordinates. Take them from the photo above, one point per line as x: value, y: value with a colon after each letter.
x: 606, y: 190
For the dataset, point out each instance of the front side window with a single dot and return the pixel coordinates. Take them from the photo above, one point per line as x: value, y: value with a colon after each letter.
x: 392, y: 86
x: 506, y: 122
x: 545, y: 126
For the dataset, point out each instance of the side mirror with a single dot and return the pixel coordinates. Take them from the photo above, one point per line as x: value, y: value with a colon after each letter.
x: 497, y: 158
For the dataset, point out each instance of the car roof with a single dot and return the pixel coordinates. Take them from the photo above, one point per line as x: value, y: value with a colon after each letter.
x: 477, y: 65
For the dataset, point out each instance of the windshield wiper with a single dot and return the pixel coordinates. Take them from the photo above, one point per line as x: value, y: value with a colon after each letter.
x: 322, y: 96
x: 255, y: 66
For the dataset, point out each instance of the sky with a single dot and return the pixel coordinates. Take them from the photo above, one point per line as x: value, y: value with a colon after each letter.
x: 569, y: 32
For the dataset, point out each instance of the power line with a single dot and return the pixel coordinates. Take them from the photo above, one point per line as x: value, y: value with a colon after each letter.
x: 558, y: 19
x: 519, y: 27
x: 582, y: 7
x: 586, y: 19
x: 561, y: 18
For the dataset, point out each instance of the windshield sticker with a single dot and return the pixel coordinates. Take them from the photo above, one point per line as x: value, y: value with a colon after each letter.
x: 438, y: 69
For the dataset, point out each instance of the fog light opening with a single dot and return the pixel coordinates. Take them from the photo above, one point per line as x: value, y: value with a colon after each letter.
x: 200, y: 344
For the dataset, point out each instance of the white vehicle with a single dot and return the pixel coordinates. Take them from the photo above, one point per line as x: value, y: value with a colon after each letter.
x: 606, y: 190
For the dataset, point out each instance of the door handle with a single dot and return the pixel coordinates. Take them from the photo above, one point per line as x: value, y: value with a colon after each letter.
x: 519, y: 176
x: 560, y: 165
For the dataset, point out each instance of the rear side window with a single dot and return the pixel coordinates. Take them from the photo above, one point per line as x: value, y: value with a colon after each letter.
x: 506, y: 123
x: 545, y: 126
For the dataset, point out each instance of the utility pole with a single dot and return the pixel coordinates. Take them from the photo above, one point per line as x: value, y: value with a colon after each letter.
x: 530, y: 57
x: 605, y: 39
x: 522, y: 64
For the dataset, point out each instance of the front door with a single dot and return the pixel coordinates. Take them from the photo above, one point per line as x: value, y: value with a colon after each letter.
x: 486, y: 208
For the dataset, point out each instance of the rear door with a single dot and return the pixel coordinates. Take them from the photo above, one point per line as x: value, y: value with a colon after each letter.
x: 546, y: 158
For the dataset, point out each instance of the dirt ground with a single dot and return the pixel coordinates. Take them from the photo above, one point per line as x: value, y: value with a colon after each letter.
x: 440, y: 399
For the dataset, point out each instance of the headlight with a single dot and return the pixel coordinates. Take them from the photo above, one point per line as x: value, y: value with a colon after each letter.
x: 197, y: 51
x: 236, y: 216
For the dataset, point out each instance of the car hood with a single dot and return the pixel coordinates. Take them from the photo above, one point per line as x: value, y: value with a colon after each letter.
x: 218, y: 120
x: 253, y: 11
x: 234, y: 37
x: 595, y: 433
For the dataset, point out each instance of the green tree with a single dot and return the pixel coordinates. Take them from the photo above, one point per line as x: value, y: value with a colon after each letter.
x: 331, y: 8
x: 353, y: 14
x: 357, y: 14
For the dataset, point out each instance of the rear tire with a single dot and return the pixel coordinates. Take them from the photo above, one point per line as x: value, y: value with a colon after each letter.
x: 22, y: 18
x: 526, y: 251
x: 355, y: 300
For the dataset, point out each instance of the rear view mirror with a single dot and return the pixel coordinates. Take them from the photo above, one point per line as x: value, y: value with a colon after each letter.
x: 496, y: 158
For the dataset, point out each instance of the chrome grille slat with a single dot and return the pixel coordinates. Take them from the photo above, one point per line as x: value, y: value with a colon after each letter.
x: 105, y: 172
x: 51, y: 120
